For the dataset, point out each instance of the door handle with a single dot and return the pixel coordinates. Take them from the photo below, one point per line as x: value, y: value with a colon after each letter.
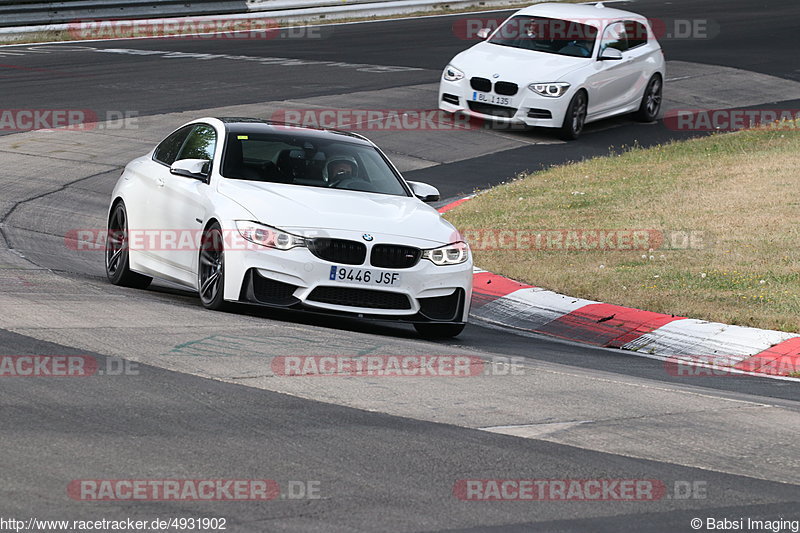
x: 160, y: 181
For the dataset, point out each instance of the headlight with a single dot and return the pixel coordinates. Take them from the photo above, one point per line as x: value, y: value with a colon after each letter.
x: 553, y: 90
x: 268, y: 236
x: 451, y: 73
x: 453, y: 254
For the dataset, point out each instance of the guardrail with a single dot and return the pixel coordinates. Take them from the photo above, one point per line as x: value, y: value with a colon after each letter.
x: 35, y: 13
x: 20, y: 19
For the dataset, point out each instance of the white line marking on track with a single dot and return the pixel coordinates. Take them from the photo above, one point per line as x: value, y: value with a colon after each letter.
x: 279, y: 61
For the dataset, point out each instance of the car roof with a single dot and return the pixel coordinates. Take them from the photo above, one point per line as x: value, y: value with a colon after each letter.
x: 257, y: 125
x: 591, y: 14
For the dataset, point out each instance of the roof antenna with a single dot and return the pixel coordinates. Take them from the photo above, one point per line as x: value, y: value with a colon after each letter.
x: 599, y: 4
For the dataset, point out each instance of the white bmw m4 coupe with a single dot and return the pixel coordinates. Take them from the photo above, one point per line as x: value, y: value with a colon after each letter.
x: 559, y: 66
x: 243, y: 210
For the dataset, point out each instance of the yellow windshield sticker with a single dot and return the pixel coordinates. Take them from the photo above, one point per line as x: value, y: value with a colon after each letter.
x: 242, y: 137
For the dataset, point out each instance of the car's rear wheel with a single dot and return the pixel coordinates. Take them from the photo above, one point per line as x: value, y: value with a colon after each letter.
x: 575, y: 118
x: 439, y: 331
x: 651, y: 100
x: 117, y: 252
x: 211, y: 269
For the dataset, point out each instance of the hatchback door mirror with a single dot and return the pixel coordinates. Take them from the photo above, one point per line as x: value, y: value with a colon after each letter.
x: 610, y: 54
x: 423, y: 191
x: 198, y: 169
x: 483, y: 33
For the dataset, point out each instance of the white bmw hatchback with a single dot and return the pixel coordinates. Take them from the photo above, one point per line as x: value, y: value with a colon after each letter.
x: 242, y: 210
x: 559, y: 66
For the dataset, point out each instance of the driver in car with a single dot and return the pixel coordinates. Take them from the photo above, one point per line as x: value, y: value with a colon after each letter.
x: 341, y: 168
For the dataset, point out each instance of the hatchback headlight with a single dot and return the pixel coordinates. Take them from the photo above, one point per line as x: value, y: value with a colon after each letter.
x: 268, y: 236
x: 552, y: 90
x: 452, y: 254
x: 451, y: 73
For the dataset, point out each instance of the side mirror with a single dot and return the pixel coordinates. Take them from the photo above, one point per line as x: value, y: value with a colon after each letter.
x: 610, y: 54
x: 483, y: 33
x: 198, y: 169
x: 423, y: 191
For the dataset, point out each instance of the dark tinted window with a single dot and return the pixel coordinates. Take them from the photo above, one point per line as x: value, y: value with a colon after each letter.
x: 551, y: 36
x: 200, y: 144
x: 637, y: 33
x: 309, y: 162
x: 167, y: 151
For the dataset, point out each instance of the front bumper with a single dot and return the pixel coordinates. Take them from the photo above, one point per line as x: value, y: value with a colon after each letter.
x: 297, y: 279
x: 524, y: 107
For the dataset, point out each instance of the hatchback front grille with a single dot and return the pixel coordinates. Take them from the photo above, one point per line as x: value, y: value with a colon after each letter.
x: 338, y: 250
x: 365, y: 298
x: 506, y: 88
x: 481, y: 84
x: 394, y: 256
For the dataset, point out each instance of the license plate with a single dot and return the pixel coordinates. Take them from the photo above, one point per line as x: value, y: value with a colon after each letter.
x: 364, y: 276
x: 490, y: 98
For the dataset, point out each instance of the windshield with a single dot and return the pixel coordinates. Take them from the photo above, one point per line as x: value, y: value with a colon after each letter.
x: 309, y: 162
x: 552, y: 36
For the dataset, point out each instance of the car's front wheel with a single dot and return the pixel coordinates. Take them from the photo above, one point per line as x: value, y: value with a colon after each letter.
x: 439, y: 331
x: 117, y: 248
x: 211, y: 269
x: 651, y: 100
x: 575, y: 118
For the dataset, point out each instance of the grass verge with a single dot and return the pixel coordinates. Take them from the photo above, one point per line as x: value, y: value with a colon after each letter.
x: 711, y: 228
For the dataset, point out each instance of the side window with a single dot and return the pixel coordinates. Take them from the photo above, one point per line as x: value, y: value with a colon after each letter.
x: 636, y: 32
x: 200, y: 144
x: 614, y: 37
x: 167, y: 151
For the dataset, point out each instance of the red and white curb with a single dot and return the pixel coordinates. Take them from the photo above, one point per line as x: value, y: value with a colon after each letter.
x: 736, y: 349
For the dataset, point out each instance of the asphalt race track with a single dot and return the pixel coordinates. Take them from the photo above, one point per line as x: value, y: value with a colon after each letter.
x: 198, y: 399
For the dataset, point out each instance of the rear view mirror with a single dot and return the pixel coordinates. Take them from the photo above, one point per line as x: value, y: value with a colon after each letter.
x: 483, y: 33
x: 610, y: 54
x: 198, y: 169
x: 423, y: 191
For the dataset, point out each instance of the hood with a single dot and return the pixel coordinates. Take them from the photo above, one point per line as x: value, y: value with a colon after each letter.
x: 305, y: 210
x: 515, y: 64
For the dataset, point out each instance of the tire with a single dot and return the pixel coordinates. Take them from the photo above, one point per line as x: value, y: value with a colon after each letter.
x: 575, y: 118
x: 211, y: 269
x: 116, y: 257
x: 439, y: 331
x: 651, y: 100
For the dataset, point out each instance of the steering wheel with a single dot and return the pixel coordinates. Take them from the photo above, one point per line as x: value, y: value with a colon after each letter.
x: 347, y: 180
x: 582, y: 46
